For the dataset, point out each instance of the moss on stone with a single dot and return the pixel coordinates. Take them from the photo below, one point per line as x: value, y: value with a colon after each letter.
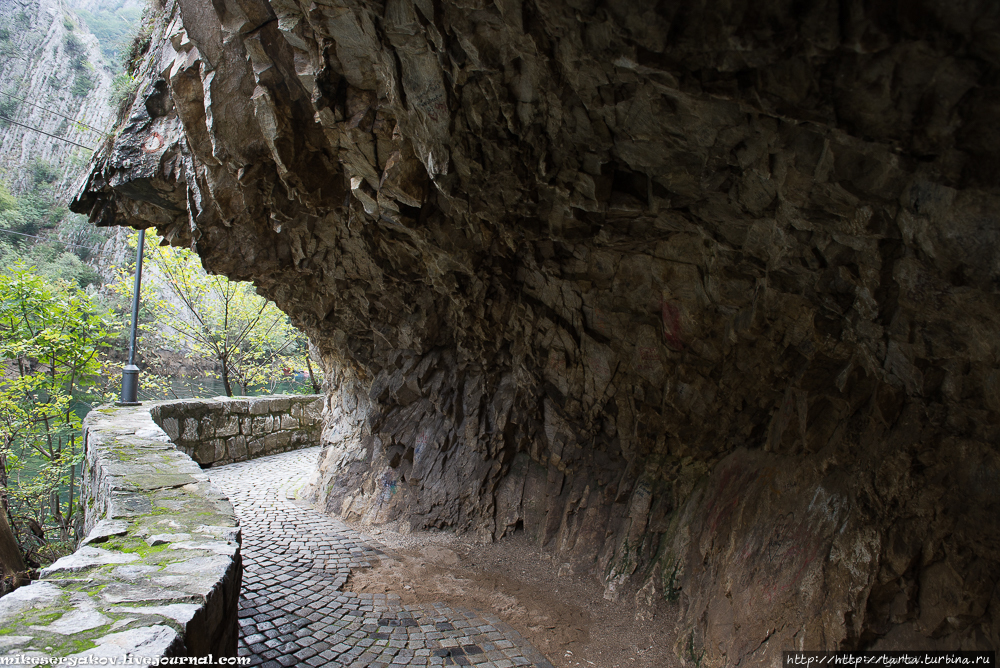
x: 48, y: 618
x: 132, y: 544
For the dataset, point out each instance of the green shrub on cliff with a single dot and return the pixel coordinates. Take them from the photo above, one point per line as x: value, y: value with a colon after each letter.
x: 123, y: 88
x: 39, y: 231
x: 83, y: 82
x: 8, y: 107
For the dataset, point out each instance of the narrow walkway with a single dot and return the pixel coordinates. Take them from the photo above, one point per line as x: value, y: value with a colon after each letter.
x: 293, y: 610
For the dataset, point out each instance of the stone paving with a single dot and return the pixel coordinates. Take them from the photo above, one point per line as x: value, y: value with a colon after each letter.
x: 293, y: 610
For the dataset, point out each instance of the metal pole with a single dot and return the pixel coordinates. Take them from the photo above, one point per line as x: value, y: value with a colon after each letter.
x: 130, y: 375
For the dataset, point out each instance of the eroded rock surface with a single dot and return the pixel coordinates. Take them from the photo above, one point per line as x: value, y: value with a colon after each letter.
x: 56, y: 81
x: 703, y: 296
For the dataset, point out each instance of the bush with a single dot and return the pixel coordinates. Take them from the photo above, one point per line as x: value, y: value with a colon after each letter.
x: 76, y: 230
x: 123, y: 88
x: 76, y: 50
x: 55, y: 263
x: 32, y: 211
x: 83, y: 83
x: 43, y: 171
x: 8, y: 107
x: 139, y: 47
x: 7, y: 45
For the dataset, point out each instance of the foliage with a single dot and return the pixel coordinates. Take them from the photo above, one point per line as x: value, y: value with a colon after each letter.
x: 123, y: 89
x: 32, y: 211
x: 7, y: 46
x: 133, y: 44
x: 76, y: 50
x: 8, y: 108
x: 55, y: 262
x: 42, y: 171
x: 51, y: 337
x: 9, y: 35
x: 44, y: 233
x: 7, y: 201
x: 83, y: 82
x: 141, y: 42
x: 83, y: 237
x: 250, y: 342
x: 83, y: 71
x: 112, y: 25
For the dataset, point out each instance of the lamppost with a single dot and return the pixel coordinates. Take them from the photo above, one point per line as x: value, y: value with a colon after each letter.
x: 130, y: 375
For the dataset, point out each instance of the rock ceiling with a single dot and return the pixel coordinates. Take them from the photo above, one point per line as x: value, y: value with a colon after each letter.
x: 702, y: 295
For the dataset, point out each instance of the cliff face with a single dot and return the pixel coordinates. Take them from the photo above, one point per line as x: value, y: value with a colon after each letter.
x: 703, y: 296
x: 49, y: 62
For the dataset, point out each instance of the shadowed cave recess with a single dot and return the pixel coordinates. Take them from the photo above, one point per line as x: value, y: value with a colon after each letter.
x: 702, y: 296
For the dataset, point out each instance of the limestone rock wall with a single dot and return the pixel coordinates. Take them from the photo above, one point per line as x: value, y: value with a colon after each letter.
x: 44, y: 50
x: 703, y: 296
x: 224, y: 430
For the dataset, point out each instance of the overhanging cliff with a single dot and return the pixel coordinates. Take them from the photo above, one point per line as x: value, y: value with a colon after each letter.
x: 703, y: 296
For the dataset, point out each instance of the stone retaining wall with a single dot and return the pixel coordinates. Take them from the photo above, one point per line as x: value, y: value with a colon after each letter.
x: 225, y: 430
x: 159, y: 573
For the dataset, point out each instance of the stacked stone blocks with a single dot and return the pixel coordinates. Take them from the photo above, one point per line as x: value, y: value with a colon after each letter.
x: 224, y: 430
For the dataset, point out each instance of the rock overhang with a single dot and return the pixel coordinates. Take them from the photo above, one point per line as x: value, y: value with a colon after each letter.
x: 589, y: 269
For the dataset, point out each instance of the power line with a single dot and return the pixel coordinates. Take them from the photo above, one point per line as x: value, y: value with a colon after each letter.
x: 58, y: 241
x: 52, y: 111
x: 11, y: 120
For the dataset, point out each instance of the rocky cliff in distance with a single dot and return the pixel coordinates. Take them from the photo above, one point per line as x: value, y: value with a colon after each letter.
x: 703, y: 296
x: 49, y: 62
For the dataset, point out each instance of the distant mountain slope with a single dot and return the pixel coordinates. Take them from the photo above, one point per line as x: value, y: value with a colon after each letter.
x: 53, y: 76
x: 111, y: 22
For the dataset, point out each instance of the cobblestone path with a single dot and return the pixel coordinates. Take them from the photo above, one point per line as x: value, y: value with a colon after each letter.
x: 293, y: 610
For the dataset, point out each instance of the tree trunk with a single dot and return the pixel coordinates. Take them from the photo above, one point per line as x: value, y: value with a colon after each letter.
x: 225, y: 378
x: 70, y: 509
x: 14, y: 570
x: 312, y: 378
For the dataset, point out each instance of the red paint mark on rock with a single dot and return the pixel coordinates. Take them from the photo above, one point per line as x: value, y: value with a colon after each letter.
x: 154, y: 142
x: 672, y: 330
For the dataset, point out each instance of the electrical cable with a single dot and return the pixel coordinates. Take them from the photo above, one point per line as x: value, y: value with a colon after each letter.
x: 58, y: 241
x: 52, y: 111
x: 11, y: 120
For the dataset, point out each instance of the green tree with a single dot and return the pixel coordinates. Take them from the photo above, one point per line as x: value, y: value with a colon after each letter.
x: 248, y: 339
x: 51, y: 338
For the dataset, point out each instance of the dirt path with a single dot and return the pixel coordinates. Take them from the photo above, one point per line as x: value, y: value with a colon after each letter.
x: 563, y: 614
